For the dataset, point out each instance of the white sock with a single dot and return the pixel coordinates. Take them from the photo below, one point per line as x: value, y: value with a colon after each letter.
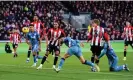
x: 123, y: 66
x: 28, y: 58
x: 40, y: 64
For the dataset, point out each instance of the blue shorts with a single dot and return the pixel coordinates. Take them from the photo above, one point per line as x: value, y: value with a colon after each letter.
x: 75, y: 50
x: 35, y: 48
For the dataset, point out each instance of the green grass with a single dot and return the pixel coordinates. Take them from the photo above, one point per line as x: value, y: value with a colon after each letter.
x: 17, y: 68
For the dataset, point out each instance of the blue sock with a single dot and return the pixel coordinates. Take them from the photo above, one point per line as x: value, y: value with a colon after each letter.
x: 34, y: 58
x: 39, y: 57
x: 89, y: 63
x: 119, y: 68
x: 61, y: 63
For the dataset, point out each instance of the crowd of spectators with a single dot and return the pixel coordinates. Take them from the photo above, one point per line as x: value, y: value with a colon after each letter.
x: 17, y: 14
x: 112, y: 15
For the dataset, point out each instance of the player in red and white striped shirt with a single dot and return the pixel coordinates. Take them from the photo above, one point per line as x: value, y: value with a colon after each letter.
x: 96, y: 36
x: 128, y: 37
x: 15, y: 39
x: 54, y: 34
x: 39, y: 27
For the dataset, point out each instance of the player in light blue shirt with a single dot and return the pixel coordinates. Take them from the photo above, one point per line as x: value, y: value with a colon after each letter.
x: 74, y: 49
x: 112, y: 58
x: 33, y: 40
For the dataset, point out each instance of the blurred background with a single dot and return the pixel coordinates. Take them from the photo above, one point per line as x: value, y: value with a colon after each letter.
x: 74, y: 16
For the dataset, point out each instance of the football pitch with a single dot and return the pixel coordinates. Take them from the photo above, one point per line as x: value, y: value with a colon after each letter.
x: 17, y: 68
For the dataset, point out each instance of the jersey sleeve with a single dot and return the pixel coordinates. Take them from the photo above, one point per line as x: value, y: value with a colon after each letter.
x: 106, y: 36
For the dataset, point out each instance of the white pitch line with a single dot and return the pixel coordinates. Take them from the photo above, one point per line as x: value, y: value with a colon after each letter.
x: 63, y: 69
x: 20, y: 66
x: 112, y: 74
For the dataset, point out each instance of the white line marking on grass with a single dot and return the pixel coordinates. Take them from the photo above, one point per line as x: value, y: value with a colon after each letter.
x: 116, y: 74
x: 21, y: 66
x: 112, y: 74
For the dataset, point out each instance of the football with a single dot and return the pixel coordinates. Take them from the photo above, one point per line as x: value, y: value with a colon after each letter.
x: 25, y: 29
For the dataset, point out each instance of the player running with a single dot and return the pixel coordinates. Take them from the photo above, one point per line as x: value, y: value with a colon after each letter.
x: 34, y: 41
x: 128, y: 31
x: 54, y: 35
x: 39, y: 27
x: 15, y: 39
x: 96, y: 35
x: 74, y: 49
x: 112, y: 58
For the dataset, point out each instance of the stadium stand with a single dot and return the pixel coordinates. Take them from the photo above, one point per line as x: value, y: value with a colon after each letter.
x: 112, y: 15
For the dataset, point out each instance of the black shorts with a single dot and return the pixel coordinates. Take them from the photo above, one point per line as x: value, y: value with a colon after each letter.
x: 52, y: 48
x: 14, y: 45
x: 128, y: 43
x: 96, y: 50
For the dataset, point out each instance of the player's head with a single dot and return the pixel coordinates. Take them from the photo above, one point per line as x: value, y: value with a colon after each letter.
x: 127, y: 23
x: 35, y: 18
x: 95, y: 22
x: 56, y: 25
x: 31, y: 28
x: 15, y: 30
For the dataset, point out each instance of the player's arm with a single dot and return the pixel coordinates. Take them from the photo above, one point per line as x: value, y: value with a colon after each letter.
x: 44, y: 35
x: 81, y: 43
x: 39, y: 40
x: 27, y: 39
x: 103, y: 52
x: 46, y: 38
x: 11, y: 38
x: 123, y: 34
x: 90, y: 35
x: 107, y: 38
x: 48, y: 34
x: 19, y: 38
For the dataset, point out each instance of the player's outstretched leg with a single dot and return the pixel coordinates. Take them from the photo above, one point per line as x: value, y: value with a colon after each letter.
x: 114, y: 67
x: 28, y: 55
x: 55, y: 59
x: 34, y: 59
x: 38, y: 57
x: 83, y: 61
x: 120, y: 68
x: 43, y: 60
x: 62, y: 62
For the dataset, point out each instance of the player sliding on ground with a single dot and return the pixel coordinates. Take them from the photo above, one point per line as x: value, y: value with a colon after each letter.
x: 74, y: 49
x: 112, y: 58
x: 34, y: 43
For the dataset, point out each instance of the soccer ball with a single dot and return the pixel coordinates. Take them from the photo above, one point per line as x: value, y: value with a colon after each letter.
x: 25, y: 29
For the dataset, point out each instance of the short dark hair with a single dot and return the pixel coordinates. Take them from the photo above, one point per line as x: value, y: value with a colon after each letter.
x: 31, y: 25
